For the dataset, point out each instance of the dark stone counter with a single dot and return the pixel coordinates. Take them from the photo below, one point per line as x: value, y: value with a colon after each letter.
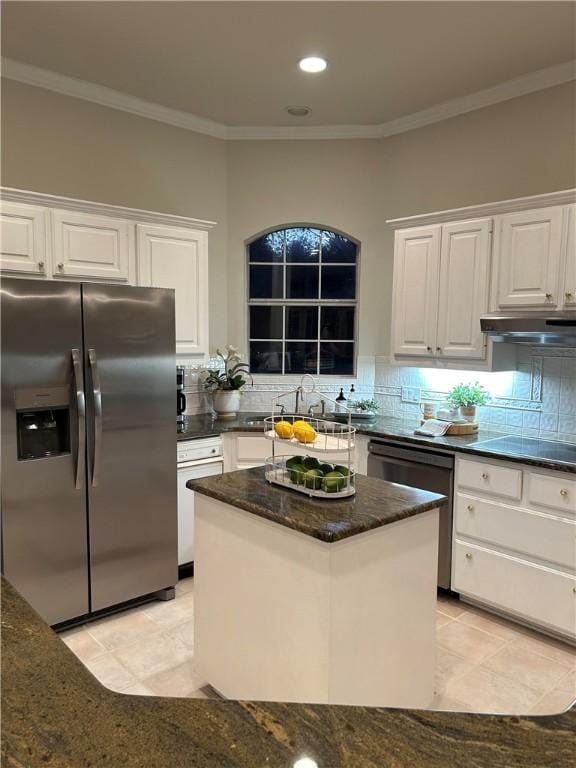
x: 375, y: 503
x: 55, y: 713
x: 388, y: 428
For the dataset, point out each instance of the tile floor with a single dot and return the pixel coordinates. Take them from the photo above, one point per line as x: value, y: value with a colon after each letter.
x: 483, y: 664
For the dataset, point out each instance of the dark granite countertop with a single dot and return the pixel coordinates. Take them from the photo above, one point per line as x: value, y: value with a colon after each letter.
x: 375, y: 503
x: 388, y: 428
x: 55, y: 713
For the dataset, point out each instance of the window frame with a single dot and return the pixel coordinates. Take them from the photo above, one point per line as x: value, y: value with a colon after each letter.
x: 319, y: 302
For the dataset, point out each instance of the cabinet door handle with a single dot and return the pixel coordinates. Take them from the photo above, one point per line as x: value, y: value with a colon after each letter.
x: 429, y: 349
x: 60, y: 265
x: 438, y: 349
x: 549, y: 297
x: 470, y: 508
x: 468, y: 556
x: 485, y: 475
x: 568, y: 295
x: 41, y: 266
x: 563, y: 492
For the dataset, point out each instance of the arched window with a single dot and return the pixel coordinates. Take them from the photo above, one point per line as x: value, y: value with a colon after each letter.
x: 302, y: 302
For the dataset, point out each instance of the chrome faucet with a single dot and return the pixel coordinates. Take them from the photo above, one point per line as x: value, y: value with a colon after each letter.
x: 299, y: 393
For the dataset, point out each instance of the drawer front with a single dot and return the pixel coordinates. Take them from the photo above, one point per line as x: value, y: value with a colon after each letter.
x: 538, y: 594
x: 553, y: 492
x: 253, y: 448
x: 531, y: 533
x: 490, y: 478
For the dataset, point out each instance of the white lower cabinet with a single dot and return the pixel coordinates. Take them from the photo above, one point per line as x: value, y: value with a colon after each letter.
x: 515, y: 542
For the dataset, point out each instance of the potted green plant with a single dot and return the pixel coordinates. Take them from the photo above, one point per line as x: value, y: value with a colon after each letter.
x: 468, y: 397
x: 226, y: 384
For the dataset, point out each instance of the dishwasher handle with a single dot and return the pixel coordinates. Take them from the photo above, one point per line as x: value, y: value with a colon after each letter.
x: 412, y: 455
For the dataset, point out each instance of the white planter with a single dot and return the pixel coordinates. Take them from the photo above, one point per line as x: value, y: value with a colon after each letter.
x: 227, y: 403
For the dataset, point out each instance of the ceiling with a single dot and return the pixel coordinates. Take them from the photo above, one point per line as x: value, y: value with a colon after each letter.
x: 236, y: 62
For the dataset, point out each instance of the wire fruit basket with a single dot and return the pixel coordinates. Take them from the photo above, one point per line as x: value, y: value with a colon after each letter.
x: 309, y: 471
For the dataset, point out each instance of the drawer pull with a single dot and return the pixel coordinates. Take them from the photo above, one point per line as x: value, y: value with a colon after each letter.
x: 41, y: 266
x: 485, y: 475
x: 549, y: 297
x: 469, y: 557
x: 563, y: 492
x: 60, y: 266
x: 470, y: 508
x: 568, y: 295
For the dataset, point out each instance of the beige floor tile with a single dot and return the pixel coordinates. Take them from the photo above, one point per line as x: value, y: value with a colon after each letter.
x: 472, y: 644
x: 489, y: 623
x: 82, y: 644
x: 442, y: 619
x: 450, y: 606
x: 527, y: 667
x: 180, y: 680
x: 485, y: 691
x: 448, y: 667
x: 122, y: 629
x: 185, y: 586
x: 547, y: 646
x: 171, y: 612
x: 154, y: 654
x: 110, y: 672
x: 184, y: 632
x: 447, y: 704
x: 553, y: 703
x: 138, y: 689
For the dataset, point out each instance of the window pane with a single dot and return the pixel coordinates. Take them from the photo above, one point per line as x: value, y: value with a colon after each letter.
x: 337, y: 358
x: 302, y: 244
x: 266, y: 282
x: 337, y: 323
x: 266, y: 357
x: 336, y: 247
x: 302, y: 282
x: 301, y: 322
x: 338, y: 282
x: 266, y: 322
x: 301, y: 357
x: 268, y: 248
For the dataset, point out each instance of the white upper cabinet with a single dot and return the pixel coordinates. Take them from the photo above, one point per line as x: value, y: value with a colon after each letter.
x: 90, y: 246
x: 528, y: 258
x: 23, y: 239
x: 415, y: 292
x: 178, y: 258
x: 464, y: 288
x: 569, y: 290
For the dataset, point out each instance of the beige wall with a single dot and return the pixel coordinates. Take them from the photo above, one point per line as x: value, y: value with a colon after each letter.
x: 65, y: 146
x: 520, y: 147
x: 57, y: 144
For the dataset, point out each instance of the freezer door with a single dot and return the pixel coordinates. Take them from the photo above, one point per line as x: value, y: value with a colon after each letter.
x: 130, y: 369
x: 44, y: 533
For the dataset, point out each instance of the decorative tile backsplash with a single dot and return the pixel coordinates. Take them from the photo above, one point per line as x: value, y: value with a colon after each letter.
x: 536, y: 400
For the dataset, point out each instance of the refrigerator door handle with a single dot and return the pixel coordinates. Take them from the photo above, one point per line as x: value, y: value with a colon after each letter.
x: 97, y: 395
x: 81, y: 416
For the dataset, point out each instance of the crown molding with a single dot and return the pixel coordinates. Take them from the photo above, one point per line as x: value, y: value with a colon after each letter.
x: 13, y: 195
x: 108, y: 97
x: 562, y: 197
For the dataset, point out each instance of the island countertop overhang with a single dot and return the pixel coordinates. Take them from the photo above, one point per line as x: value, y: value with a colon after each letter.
x: 376, y: 503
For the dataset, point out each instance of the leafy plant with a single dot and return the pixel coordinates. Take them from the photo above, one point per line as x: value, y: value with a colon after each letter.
x: 468, y: 394
x: 234, y: 376
x: 365, y: 405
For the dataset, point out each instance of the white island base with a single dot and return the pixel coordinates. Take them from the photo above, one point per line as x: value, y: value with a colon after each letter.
x: 282, y: 616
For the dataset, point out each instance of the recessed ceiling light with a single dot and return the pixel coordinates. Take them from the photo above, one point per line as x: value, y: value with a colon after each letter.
x: 298, y: 111
x: 313, y: 64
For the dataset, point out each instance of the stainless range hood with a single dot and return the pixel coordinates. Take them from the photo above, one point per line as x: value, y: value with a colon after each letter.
x: 556, y: 329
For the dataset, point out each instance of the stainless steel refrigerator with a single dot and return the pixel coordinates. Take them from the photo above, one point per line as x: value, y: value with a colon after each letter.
x: 89, y: 485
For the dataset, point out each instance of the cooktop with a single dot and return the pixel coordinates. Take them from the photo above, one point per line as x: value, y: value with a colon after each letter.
x: 515, y: 445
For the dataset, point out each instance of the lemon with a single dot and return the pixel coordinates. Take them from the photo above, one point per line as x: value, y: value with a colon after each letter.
x: 284, y: 430
x: 304, y: 433
x: 300, y: 423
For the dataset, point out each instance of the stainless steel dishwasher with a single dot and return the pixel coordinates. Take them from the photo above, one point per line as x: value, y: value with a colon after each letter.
x: 430, y: 470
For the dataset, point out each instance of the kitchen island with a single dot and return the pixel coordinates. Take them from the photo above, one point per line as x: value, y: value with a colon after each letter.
x: 315, y: 600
